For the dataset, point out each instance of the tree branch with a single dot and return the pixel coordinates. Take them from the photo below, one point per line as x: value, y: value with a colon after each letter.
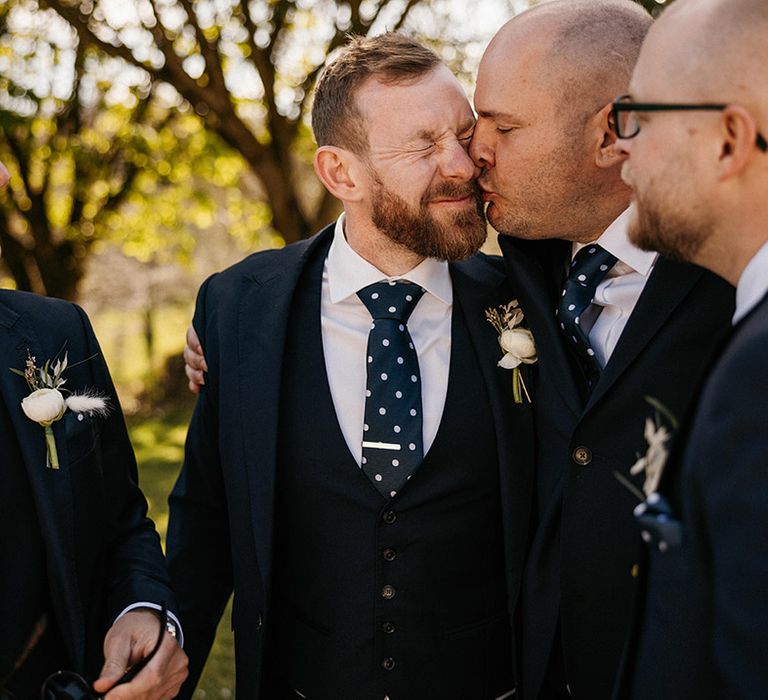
x: 209, y: 52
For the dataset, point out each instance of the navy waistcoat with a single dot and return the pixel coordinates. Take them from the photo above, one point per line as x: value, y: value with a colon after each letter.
x: 373, y: 598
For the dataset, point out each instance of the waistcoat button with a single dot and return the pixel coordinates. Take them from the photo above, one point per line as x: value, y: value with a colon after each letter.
x: 388, y: 627
x: 388, y: 592
x: 389, y: 517
x: 388, y: 664
x: 389, y: 554
x: 582, y: 456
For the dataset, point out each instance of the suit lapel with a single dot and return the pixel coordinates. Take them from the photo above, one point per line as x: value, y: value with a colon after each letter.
x: 667, y: 287
x: 264, y: 313
x: 52, y: 489
x: 535, y: 270
x: 477, y: 287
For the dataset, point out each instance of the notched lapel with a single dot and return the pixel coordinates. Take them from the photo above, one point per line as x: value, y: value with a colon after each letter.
x: 477, y: 286
x: 534, y: 274
x: 51, y: 487
x: 263, y: 317
x: 669, y: 284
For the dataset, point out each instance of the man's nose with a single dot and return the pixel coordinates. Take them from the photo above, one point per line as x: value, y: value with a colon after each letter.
x: 481, y: 148
x: 458, y: 165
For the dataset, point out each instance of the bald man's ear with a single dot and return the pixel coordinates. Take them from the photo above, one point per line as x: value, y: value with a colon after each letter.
x: 738, y: 135
x: 340, y: 171
x: 607, y: 155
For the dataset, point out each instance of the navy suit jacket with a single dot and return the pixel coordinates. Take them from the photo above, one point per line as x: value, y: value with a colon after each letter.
x: 220, y: 529
x: 704, y: 621
x: 583, y: 564
x: 102, y: 552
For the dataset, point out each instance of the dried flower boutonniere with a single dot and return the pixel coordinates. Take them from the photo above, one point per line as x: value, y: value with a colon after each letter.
x: 654, y: 514
x: 46, y: 404
x: 516, y: 342
x: 657, y: 435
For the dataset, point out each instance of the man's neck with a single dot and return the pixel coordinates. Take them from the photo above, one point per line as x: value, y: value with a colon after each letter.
x: 379, y: 250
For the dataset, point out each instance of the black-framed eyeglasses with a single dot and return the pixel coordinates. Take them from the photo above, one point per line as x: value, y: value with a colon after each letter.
x: 627, y: 125
x: 68, y: 685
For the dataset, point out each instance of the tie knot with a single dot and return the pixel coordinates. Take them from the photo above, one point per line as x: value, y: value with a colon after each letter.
x: 395, y: 299
x: 590, y: 265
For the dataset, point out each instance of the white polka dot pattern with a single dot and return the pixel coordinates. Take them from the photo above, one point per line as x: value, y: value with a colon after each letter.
x: 590, y: 265
x: 393, y: 443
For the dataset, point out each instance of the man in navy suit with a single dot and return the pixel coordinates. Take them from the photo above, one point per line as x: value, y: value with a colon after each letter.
x: 81, y: 563
x: 614, y: 324
x: 357, y: 469
x: 694, y: 130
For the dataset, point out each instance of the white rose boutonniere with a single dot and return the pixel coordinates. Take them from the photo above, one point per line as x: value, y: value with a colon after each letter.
x: 46, y: 404
x: 517, y: 343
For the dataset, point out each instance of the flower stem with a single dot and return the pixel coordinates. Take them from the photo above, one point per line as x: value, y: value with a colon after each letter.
x: 50, y: 440
x: 516, y: 379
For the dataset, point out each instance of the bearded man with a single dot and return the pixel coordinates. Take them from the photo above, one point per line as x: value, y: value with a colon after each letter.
x: 357, y: 468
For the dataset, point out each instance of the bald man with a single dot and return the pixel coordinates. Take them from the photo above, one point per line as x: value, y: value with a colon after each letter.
x: 613, y: 324
x: 699, y: 167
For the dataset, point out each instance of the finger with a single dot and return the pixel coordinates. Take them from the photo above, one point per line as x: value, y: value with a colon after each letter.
x: 195, y: 359
x: 196, y: 379
x: 117, y: 657
x: 160, y: 678
x: 193, y: 343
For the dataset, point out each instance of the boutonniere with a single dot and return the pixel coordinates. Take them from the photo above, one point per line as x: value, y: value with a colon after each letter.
x: 46, y: 403
x: 652, y: 463
x: 517, y: 343
x: 654, y: 513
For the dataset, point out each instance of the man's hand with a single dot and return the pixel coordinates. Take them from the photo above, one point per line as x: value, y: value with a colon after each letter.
x: 195, y: 362
x: 131, y: 639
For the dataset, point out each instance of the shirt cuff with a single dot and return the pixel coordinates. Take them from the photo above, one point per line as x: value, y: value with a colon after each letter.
x: 155, y: 606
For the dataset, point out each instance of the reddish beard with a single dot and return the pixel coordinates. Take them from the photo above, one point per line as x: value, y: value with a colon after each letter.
x: 421, y: 232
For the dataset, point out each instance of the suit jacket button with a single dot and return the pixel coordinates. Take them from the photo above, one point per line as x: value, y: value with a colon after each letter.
x: 388, y: 664
x: 582, y: 456
x: 389, y: 554
x: 388, y: 592
x: 259, y: 622
x: 389, y: 517
x: 388, y: 627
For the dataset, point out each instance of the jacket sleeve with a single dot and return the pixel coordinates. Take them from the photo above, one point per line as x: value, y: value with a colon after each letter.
x: 134, y: 565
x: 199, y: 555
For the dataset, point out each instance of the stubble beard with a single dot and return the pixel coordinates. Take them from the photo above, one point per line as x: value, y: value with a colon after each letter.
x: 557, y: 202
x: 418, y: 230
x: 658, y: 225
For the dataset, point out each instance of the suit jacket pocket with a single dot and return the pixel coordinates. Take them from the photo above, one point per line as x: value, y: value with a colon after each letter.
x: 82, y: 435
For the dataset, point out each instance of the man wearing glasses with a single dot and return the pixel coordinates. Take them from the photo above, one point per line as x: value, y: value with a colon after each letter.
x: 81, y: 563
x: 614, y: 324
x: 693, y: 129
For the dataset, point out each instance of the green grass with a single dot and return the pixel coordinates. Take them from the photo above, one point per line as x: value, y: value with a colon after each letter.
x: 159, y: 445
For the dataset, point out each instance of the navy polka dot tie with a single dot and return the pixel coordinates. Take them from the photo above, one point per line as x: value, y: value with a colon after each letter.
x: 392, y: 434
x: 590, y: 265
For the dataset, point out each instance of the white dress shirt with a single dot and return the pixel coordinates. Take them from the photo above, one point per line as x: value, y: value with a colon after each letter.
x: 619, y: 291
x: 753, y: 284
x: 346, y: 323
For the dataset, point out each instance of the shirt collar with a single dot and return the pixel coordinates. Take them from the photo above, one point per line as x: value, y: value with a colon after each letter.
x: 753, y: 284
x: 615, y: 239
x: 348, y: 273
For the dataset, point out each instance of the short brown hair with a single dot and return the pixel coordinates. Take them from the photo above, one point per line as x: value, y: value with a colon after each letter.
x: 390, y: 58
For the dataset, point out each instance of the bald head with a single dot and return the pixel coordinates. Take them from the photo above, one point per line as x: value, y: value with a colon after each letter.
x: 587, y: 48
x: 714, y: 50
x: 710, y: 54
